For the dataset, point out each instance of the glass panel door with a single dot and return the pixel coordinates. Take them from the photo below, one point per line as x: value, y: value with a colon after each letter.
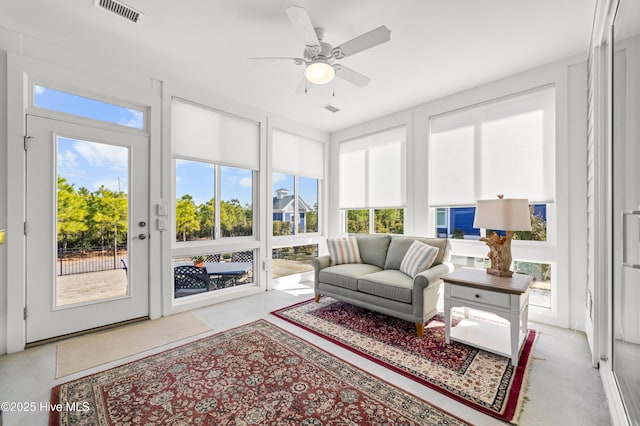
x: 626, y: 206
x: 87, y: 227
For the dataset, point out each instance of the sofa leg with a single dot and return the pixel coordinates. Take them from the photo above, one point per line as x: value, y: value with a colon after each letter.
x: 420, y: 329
x: 316, y: 298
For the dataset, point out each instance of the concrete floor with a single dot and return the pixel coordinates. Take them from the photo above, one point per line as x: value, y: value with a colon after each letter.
x: 563, y: 387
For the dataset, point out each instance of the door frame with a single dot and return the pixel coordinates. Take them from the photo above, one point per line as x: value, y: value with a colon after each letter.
x: 46, y: 319
x: 104, y: 82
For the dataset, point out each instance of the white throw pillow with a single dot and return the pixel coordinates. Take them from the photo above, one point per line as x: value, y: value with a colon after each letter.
x: 343, y: 250
x: 418, y: 258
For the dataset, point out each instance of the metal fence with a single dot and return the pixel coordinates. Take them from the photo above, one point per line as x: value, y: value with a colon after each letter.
x: 93, y: 259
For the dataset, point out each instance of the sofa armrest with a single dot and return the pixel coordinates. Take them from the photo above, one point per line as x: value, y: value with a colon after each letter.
x: 319, y: 263
x: 431, y: 276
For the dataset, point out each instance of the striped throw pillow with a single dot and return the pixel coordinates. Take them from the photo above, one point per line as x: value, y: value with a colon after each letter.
x: 418, y: 258
x: 343, y: 250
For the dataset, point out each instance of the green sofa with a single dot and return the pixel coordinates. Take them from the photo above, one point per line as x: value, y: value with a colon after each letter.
x: 377, y: 283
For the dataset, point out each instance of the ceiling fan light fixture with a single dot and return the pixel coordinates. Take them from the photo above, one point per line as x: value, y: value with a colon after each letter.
x: 319, y: 72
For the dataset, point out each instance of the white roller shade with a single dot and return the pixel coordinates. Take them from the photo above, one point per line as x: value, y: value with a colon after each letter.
x: 206, y: 134
x: 297, y: 155
x: 372, y: 171
x: 502, y: 147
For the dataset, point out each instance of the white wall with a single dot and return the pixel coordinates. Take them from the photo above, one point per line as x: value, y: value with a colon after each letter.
x: 566, y: 250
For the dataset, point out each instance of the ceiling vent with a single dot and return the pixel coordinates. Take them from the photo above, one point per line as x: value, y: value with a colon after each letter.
x: 331, y: 108
x: 120, y: 9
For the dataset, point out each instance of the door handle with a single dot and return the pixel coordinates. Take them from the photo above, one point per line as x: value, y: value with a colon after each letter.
x: 624, y: 239
x: 141, y: 236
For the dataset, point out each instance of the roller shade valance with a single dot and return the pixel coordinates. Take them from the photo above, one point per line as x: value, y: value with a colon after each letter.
x: 206, y: 134
x: 505, y: 147
x: 297, y: 155
x: 372, y: 171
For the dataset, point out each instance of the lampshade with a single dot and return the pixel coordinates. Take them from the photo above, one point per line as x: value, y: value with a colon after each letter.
x: 319, y: 72
x: 506, y: 214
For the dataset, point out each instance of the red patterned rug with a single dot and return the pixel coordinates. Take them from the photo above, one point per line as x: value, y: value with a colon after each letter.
x: 482, y: 380
x: 254, y: 374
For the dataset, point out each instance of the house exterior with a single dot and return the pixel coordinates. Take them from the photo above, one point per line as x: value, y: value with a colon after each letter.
x: 284, y: 209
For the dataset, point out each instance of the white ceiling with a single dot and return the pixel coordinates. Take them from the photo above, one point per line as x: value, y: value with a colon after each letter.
x: 437, y: 47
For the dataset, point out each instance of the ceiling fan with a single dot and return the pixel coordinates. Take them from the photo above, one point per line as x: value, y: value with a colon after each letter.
x: 320, y: 58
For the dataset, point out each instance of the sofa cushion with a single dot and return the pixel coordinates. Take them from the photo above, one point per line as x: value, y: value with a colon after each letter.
x: 390, y: 284
x: 373, y: 248
x: 419, y: 257
x: 346, y: 275
x: 343, y: 250
x: 399, y: 246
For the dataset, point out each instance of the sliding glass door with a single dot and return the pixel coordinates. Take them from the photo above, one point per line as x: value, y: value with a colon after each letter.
x: 625, y: 332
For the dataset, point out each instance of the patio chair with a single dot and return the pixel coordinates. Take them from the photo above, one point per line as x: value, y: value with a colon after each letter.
x: 189, y: 279
x: 242, y: 256
x: 213, y: 258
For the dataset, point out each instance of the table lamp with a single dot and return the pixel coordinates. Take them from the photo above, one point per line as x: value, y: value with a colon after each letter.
x: 502, y: 214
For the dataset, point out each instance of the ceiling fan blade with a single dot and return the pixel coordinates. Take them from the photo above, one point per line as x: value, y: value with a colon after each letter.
x: 353, y: 77
x: 279, y: 60
x: 364, y: 41
x: 301, y: 21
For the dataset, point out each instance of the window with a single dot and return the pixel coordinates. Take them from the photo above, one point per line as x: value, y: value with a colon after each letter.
x: 207, y: 272
x: 195, y: 200
x: 457, y: 222
x: 289, y: 209
x: 373, y: 183
x: 298, y: 165
x: 380, y: 221
x: 504, y: 146
x: 55, y: 100
x: 293, y: 260
x: 215, y: 157
x: 236, y: 195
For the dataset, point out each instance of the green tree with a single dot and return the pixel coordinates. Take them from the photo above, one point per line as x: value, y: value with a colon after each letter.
x: 111, y: 214
x: 538, y: 228
x: 358, y: 221
x: 281, y: 227
x: 234, y: 220
x: 72, y: 210
x: 206, y: 216
x: 186, y: 217
x: 389, y: 221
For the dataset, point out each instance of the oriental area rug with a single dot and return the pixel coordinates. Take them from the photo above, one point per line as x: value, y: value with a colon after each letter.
x: 256, y: 374
x: 482, y: 380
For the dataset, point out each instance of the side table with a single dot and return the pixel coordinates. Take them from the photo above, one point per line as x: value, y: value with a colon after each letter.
x: 505, y: 297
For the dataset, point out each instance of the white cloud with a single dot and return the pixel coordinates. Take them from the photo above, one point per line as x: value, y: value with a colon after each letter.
x: 278, y: 177
x: 40, y: 90
x: 246, y: 182
x: 68, y: 161
x: 135, y: 120
x: 102, y: 155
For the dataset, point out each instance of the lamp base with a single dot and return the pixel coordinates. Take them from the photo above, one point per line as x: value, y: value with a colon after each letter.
x: 499, y: 273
